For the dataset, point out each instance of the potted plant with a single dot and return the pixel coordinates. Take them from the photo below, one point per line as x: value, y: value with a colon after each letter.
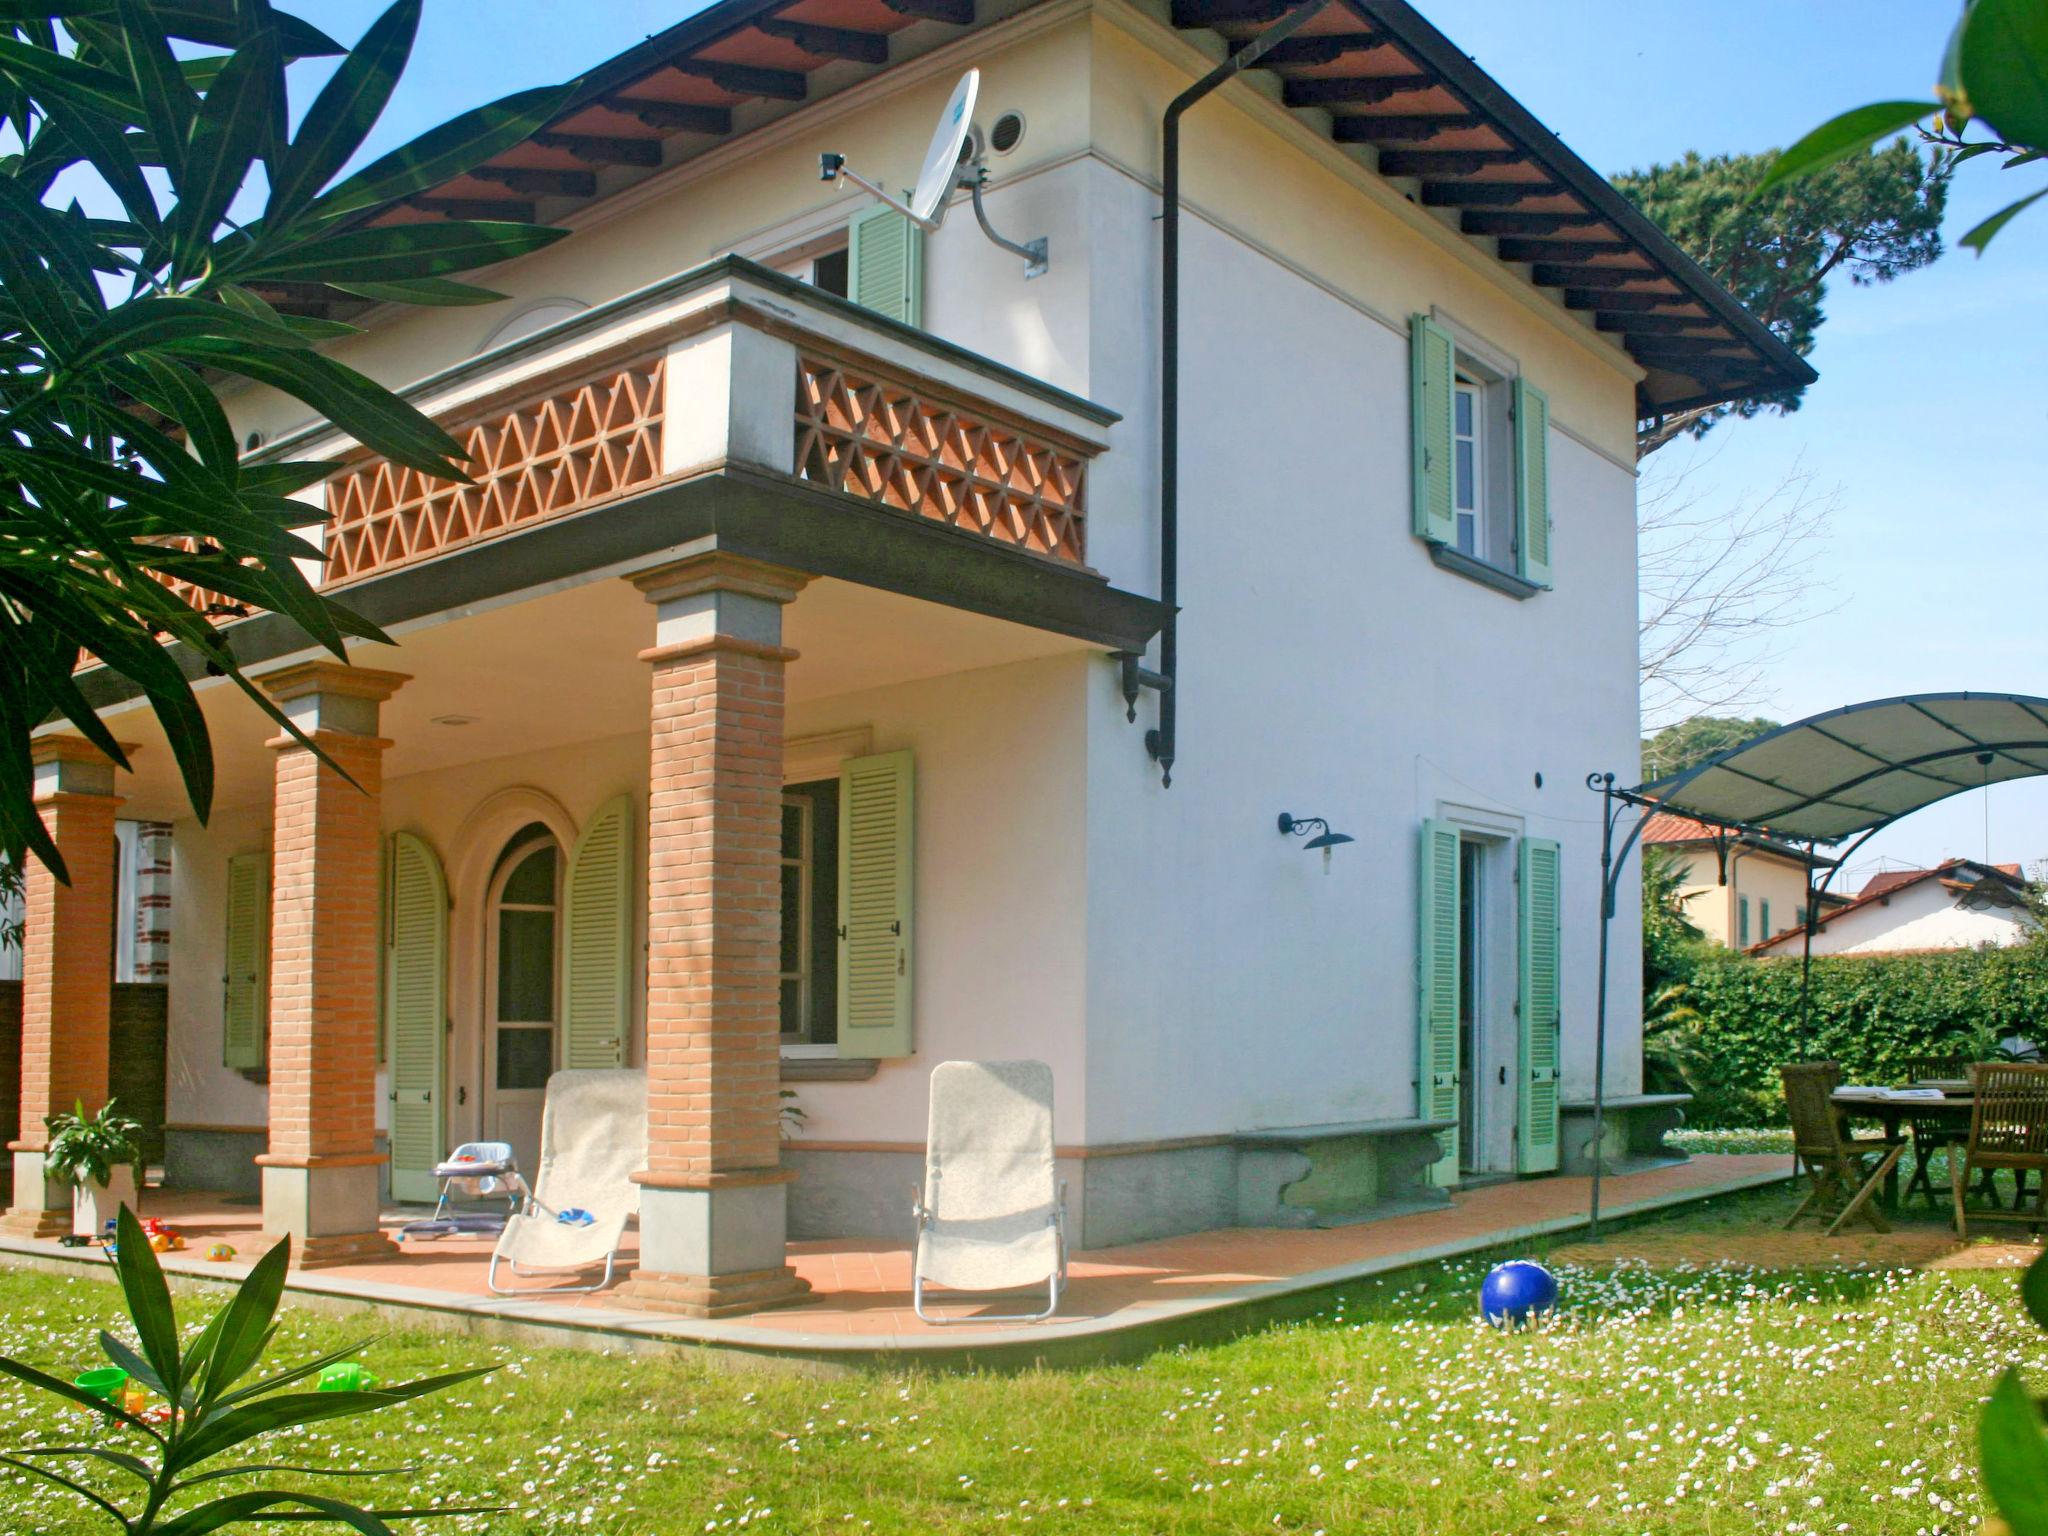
x: 97, y: 1154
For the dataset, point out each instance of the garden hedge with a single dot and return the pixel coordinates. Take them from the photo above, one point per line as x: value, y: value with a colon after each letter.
x: 1871, y: 1013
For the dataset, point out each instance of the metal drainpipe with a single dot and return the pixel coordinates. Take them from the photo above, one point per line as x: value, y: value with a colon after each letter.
x: 1160, y: 741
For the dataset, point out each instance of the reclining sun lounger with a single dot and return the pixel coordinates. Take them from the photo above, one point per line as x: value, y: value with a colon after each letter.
x: 992, y: 1213
x: 593, y: 1139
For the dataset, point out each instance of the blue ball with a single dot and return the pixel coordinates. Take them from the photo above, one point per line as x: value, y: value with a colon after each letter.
x: 1517, y: 1292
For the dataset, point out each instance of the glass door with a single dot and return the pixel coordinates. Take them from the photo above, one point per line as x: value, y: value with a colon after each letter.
x: 521, y: 1022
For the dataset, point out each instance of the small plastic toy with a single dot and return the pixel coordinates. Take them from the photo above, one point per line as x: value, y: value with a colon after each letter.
x: 346, y: 1376
x: 102, y: 1383
x: 1516, y: 1293
x: 134, y: 1399
x: 575, y: 1216
x: 220, y: 1253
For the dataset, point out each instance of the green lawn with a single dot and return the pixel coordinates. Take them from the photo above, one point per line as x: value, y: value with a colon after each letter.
x: 1719, y: 1401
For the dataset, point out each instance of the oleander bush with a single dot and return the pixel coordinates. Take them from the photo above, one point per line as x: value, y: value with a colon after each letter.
x: 1872, y: 1013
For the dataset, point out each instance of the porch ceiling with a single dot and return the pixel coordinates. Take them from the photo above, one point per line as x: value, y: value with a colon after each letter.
x: 553, y: 670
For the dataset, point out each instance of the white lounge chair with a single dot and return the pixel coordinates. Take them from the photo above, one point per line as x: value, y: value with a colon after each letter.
x: 992, y: 1213
x: 593, y: 1139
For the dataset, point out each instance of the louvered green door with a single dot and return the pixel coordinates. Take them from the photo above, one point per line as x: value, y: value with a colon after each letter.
x: 416, y: 975
x: 597, y: 941
x: 245, y: 979
x: 1438, y: 944
x: 1540, y: 1008
x: 885, y: 264
x: 876, y: 813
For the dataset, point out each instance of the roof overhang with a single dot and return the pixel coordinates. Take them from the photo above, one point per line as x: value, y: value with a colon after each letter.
x: 1371, y: 75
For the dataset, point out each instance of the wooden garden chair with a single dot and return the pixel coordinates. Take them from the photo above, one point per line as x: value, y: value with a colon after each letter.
x: 1835, y: 1161
x: 1933, y: 1133
x: 2008, y: 1129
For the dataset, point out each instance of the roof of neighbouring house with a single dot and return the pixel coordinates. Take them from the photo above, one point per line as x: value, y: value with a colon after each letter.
x: 1372, y: 76
x: 1959, y: 876
x: 1666, y: 829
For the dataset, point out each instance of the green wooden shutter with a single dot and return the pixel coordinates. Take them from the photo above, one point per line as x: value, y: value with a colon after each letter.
x: 1532, y: 483
x: 246, y: 970
x: 1540, y: 1006
x: 597, y: 941
x: 885, y: 264
x: 416, y: 972
x: 876, y: 805
x: 1433, y: 381
x: 1437, y: 1056
x: 1742, y: 923
x: 1764, y: 919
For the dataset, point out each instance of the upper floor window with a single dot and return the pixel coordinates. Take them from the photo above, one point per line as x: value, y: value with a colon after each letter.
x: 1480, y: 470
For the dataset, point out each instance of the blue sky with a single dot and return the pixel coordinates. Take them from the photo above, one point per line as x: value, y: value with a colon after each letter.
x: 1928, y: 422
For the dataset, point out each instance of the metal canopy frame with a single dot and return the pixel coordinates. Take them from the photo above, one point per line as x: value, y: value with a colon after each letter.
x: 1814, y: 813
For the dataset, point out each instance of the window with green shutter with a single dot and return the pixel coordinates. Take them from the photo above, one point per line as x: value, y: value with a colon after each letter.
x: 885, y: 264
x: 1437, y: 950
x: 1479, y: 462
x: 1764, y: 918
x: 877, y: 805
x: 245, y: 972
x: 416, y: 989
x: 1542, y: 1020
x: 597, y: 940
x: 1742, y: 923
x: 1432, y: 383
x: 1532, y: 483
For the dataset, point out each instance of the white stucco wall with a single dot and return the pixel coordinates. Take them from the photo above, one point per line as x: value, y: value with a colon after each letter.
x: 1923, y: 916
x: 1327, y: 668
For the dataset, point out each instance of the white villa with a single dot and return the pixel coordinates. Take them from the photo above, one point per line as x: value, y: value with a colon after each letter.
x: 781, y: 706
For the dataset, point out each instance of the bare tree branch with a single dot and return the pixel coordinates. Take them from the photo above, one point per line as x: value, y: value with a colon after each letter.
x: 1722, y: 581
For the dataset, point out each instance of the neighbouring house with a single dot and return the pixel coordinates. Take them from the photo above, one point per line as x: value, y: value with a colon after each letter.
x: 1739, y: 889
x: 1958, y: 904
x: 781, y: 707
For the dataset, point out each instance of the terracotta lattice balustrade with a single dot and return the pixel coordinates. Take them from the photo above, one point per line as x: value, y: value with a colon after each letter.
x: 588, y: 443
x: 899, y: 444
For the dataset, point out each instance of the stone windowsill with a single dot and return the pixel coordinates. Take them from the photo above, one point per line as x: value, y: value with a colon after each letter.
x: 1459, y: 563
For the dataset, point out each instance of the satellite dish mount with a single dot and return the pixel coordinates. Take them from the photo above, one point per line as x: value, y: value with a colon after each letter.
x: 954, y: 160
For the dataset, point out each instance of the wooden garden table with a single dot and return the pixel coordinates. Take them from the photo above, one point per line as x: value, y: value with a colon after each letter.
x: 1954, y: 1106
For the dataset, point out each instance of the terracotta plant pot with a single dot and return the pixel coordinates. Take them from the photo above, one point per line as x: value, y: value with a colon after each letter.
x: 94, y: 1205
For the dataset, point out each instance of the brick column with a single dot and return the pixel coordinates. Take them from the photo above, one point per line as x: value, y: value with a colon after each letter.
x: 67, y: 969
x: 713, y: 1226
x: 320, y: 1172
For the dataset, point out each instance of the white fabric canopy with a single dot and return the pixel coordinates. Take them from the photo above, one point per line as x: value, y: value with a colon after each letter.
x: 1850, y: 771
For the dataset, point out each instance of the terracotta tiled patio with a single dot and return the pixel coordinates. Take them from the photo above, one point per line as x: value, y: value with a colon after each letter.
x: 860, y: 1289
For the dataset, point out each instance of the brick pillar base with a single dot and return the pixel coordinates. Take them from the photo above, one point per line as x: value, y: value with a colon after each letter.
x: 320, y: 1173
x: 67, y: 971
x: 713, y: 1225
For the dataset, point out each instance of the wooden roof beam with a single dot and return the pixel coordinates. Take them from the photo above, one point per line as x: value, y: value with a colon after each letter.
x: 1325, y: 49
x: 601, y: 149
x: 674, y: 116
x: 954, y: 13
x: 1488, y: 222
x: 1443, y: 162
x: 1352, y: 90
x: 1605, y: 298
x: 1552, y: 274
x: 828, y: 42
x: 1484, y: 194
x: 746, y: 79
x: 1399, y: 128
x: 511, y: 210
x: 1513, y: 248
x: 1657, y: 325
x: 538, y: 181
x: 1225, y: 13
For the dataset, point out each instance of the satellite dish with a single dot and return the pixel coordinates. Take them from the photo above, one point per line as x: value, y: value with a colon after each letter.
x: 941, y: 170
x: 948, y: 164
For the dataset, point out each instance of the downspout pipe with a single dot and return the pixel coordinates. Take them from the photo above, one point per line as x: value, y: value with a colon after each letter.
x: 1160, y: 741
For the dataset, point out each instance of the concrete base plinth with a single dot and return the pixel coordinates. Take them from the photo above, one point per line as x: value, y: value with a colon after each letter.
x: 328, y: 1210
x: 26, y: 1218
x: 716, y: 1251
